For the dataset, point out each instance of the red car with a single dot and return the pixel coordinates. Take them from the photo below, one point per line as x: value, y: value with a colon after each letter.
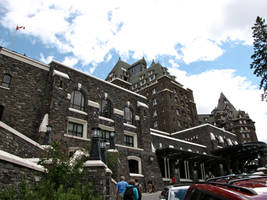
x: 235, y: 187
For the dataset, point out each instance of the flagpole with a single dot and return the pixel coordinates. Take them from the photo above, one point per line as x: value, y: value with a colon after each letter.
x: 12, y: 43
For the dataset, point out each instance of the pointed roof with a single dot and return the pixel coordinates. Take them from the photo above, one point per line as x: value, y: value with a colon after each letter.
x: 141, y: 61
x: 224, y: 103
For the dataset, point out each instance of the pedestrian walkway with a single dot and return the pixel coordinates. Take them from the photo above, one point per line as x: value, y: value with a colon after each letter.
x: 150, y: 196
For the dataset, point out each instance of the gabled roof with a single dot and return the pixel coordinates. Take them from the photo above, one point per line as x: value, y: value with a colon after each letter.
x: 200, y: 126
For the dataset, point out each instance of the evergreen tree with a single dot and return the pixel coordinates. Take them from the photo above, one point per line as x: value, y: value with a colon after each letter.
x: 259, y: 57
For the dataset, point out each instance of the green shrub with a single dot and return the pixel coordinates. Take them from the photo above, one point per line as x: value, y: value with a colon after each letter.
x: 62, y: 181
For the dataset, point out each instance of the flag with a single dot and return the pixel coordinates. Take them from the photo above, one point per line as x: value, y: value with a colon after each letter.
x: 20, y: 27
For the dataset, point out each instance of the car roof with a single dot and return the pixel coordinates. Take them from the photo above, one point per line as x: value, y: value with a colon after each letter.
x: 236, y: 187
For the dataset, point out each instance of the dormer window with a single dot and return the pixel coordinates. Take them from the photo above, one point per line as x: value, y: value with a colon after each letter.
x: 6, y: 80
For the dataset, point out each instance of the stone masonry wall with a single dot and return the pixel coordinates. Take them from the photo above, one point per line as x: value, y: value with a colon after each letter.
x: 11, y: 175
x: 25, y: 102
x: 14, y: 144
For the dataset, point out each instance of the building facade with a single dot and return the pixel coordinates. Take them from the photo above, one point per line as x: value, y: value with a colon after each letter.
x: 152, y: 116
x: 236, y: 121
x: 34, y: 95
x: 171, y: 106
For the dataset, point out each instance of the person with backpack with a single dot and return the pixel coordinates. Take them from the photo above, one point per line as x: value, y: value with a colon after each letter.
x: 139, y: 188
x: 120, y: 187
x: 131, y: 192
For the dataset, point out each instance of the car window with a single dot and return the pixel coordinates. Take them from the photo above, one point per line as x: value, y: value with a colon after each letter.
x: 207, y: 197
x: 200, y: 195
x: 180, y: 194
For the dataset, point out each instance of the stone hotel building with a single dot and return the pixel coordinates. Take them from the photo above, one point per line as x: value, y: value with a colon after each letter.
x: 158, y: 132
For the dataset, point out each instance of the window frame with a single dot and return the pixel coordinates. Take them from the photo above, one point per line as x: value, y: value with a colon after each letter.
x: 76, y: 127
x: 139, y: 164
x: 73, y: 104
x: 128, y: 115
x: 6, y: 83
x: 126, y: 142
x: 81, y: 122
x: 106, y: 110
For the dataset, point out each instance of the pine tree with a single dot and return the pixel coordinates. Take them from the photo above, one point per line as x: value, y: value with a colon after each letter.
x: 259, y: 57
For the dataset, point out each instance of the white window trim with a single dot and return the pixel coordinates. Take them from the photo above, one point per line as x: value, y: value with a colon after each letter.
x: 129, y: 125
x: 78, y: 121
x: 93, y: 104
x: 134, y: 135
x: 106, y: 119
x: 136, y: 175
x: 77, y: 111
x: 76, y: 137
x: 139, y: 163
x: 4, y: 87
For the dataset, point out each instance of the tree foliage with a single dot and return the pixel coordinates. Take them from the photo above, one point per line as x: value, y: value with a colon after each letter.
x: 259, y: 57
x: 62, y: 180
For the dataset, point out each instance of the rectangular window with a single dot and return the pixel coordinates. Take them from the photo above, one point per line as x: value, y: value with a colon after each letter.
x: 104, y: 135
x: 129, y: 140
x: 75, y: 129
x: 155, y: 124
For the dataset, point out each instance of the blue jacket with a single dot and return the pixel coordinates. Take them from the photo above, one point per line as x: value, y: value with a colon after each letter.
x: 135, y: 191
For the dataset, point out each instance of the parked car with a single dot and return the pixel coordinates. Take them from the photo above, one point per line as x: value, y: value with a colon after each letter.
x: 233, y: 187
x: 173, y: 192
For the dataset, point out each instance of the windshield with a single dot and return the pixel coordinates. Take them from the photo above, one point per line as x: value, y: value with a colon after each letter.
x: 179, y: 194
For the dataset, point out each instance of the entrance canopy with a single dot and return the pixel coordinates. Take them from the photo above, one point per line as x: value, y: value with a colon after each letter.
x: 186, y: 155
x: 244, y: 152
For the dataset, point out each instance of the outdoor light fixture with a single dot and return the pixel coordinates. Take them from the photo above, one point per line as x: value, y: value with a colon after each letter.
x: 96, y: 132
x: 151, y: 159
x: 102, y: 144
x: 112, y: 140
x: 103, y: 150
x: 95, y: 148
x: 47, y: 138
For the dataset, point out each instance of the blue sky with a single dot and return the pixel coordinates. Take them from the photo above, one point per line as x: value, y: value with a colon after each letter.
x: 206, y: 44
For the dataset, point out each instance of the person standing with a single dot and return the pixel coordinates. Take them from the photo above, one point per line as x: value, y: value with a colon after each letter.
x: 120, y: 188
x: 150, y: 186
x: 139, y: 188
x: 173, y: 180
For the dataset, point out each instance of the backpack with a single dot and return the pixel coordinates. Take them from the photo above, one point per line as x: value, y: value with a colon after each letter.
x: 128, y: 194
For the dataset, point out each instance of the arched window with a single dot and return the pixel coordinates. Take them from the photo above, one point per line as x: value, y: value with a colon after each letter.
x: 77, y: 100
x: 6, y: 80
x: 105, y: 108
x: 128, y: 115
x: 135, y: 166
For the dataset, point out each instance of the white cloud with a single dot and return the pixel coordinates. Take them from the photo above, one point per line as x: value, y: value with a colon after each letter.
x: 70, y: 61
x: 245, y: 96
x: 46, y: 60
x: 90, y: 29
x: 151, y: 28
